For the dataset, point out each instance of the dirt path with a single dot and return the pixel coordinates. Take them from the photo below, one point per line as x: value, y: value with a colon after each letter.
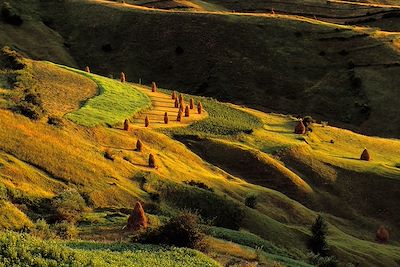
x: 164, y: 103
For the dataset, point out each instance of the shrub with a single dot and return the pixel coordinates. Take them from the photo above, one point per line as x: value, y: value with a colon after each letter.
x: 29, y: 110
x: 10, y: 15
x: 200, y: 185
x: 146, y: 122
x: 153, y: 87
x: 182, y: 230
x: 139, y: 146
x: 42, y: 230
x: 66, y: 230
x: 308, y: 121
x: 251, y: 201
x: 126, y: 125
x: 166, y: 118
x: 382, y: 234
x: 68, y: 205
x: 137, y: 220
x: 152, y: 161
x: 55, y: 121
x: 122, y: 77
x: 365, y: 155
x: 319, y: 261
x: 317, y: 243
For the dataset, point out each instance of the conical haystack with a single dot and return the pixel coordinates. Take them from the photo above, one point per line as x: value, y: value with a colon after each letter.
x: 176, y: 103
x: 122, y: 77
x: 152, y: 161
x: 153, y: 87
x: 146, y: 122
x: 191, y: 103
x: 382, y: 234
x: 126, y: 125
x: 173, y: 96
x: 179, y: 117
x: 87, y: 69
x: 365, y: 155
x: 199, y: 108
x: 166, y: 118
x: 300, y: 128
x: 137, y: 220
x: 139, y: 146
x: 187, y: 112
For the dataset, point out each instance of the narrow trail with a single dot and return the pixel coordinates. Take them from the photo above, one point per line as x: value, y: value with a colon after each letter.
x: 162, y: 103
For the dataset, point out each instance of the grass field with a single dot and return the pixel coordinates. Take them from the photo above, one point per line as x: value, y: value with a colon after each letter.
x: 115, y: 103
x: 24, y: 250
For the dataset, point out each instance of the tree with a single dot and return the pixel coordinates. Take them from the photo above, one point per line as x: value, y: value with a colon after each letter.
x: 317, y: 243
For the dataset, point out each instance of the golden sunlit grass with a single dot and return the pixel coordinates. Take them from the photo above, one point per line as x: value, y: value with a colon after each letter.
x: 62, y: 91
x: 12, y: 218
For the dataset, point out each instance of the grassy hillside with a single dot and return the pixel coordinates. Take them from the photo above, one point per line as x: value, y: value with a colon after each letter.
x: 302, y: 175
x: 320, y: 69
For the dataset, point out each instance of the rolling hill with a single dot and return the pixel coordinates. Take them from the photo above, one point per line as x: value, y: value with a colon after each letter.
x: 62, y: 132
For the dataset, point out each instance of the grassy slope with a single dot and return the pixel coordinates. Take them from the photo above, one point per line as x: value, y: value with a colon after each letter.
x: 34, y: 146
x: 55, y: 83
x: 265, y: 64
x: 115, y: 103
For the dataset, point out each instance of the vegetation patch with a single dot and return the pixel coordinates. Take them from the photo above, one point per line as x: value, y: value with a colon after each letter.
x: 25, y: 250
x: 116, y: 102
x: 222, y: 120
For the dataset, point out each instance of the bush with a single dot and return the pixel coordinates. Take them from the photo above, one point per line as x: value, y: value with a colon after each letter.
x: 55, y: 121
x: 182, y: 230
x: 10, y: 15
x: 29, y: 110
x: 251, y: 201
x: 68, y: 206
x: 66, y: 230
x: 200, y: 185
x: 42, y: 230
x: 319, y: 261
